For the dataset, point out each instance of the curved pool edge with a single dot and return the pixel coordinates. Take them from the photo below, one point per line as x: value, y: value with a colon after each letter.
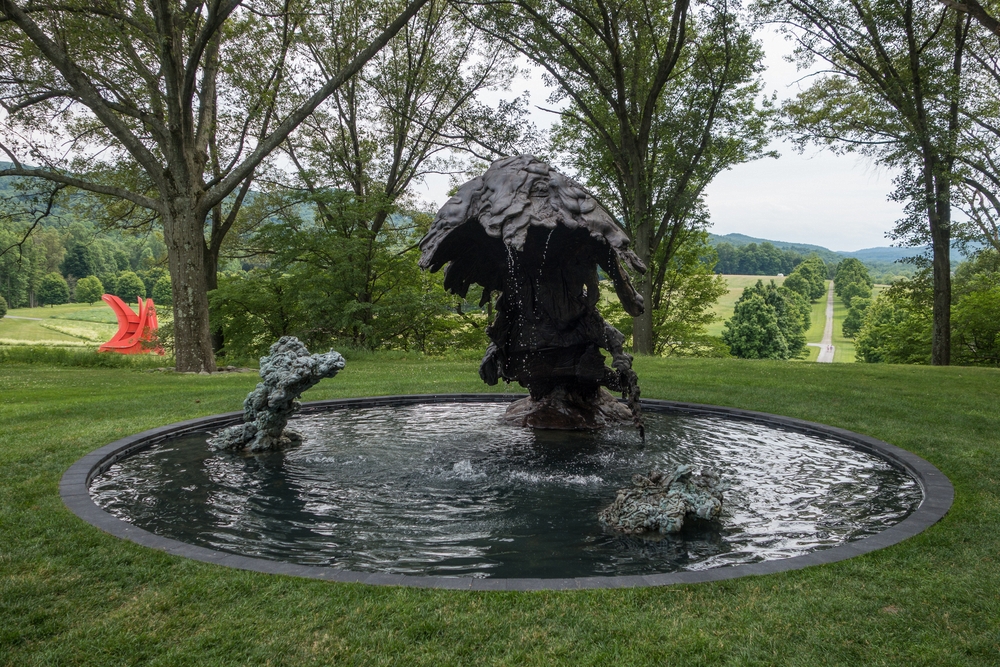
x: 938, y: 495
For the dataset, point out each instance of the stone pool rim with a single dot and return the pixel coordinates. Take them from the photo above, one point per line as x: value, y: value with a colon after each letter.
x: 938, y: 495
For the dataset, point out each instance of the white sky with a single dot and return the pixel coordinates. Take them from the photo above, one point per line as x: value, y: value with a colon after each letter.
x: 839, y: 202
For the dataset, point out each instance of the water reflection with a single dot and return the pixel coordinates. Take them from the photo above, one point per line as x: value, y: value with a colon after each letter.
x: 445, y: 489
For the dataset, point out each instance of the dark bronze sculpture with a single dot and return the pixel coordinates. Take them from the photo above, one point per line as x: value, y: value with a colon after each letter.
x: 537, y: 238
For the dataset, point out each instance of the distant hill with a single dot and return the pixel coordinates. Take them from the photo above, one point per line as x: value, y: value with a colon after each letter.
x: 879, y: 255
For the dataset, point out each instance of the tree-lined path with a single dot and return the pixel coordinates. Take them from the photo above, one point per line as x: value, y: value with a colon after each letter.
x: 825, y: 346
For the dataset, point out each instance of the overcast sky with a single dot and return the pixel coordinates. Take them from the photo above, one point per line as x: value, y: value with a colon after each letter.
x: 839, y: 202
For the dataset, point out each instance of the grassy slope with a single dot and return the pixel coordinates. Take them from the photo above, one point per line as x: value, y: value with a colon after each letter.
x: 72, y: 324
x: 70, y: 594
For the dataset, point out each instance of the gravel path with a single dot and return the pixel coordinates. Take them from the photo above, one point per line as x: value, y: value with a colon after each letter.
x: 825, y: 346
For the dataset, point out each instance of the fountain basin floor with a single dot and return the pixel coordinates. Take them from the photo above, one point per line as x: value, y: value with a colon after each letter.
x: 434, y: 491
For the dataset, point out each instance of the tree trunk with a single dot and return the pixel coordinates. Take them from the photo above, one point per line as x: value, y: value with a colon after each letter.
x: 941, y: 264
x: 211, y: 283
x: 642, y: 326
x: 183, y: 233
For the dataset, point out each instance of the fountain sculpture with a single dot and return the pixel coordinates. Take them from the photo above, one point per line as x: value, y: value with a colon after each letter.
x: 536, y: 237
x: 286, y: 372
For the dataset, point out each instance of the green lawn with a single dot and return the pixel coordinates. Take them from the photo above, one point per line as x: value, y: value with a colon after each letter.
x: 724, y: 306
x: 72, y: 595
x: 67, y: 325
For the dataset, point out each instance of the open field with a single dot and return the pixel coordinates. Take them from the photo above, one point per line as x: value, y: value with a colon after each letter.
x: 66, y: 325
x: 72, y: 595
x: 724, y: 306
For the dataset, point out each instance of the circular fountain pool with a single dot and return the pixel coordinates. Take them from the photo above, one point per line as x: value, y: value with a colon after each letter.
x: 429, y: 491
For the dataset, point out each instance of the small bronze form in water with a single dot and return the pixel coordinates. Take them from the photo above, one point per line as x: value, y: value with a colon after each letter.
x: 660, y: 502
x: 286, y: 372
x: 537, y: 238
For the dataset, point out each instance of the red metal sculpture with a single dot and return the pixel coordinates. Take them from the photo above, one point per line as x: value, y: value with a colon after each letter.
x: 136, y: 333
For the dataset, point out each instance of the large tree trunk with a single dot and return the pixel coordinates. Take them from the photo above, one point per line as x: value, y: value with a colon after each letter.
x: 642, y: 326
x: 940, y: 224
x: 184, y: 235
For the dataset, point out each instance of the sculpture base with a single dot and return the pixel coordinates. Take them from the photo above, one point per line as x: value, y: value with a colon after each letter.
x: 565, y: 409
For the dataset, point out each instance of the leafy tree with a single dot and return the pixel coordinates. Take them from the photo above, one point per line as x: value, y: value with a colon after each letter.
x: 977, y: 328
x: 88, y: 290
x: 753, y: 331
x: 798, y: 283
x: 661, y: 98
x: 855, y: 316
x: 814, y: 270
x: 791, y: 309
x: 169, y: 109
x: 79, y: 262
x: 129, y: 286
x: 162, y: 293
x: 53, y: 290
x: 684, y: 299
x: 892, y: 89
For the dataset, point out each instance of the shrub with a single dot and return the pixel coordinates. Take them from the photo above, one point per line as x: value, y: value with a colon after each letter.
x: 53, y: 290
x: 88, y: 290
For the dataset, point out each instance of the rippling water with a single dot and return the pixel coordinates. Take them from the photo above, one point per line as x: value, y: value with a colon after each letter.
x: 444, y: 489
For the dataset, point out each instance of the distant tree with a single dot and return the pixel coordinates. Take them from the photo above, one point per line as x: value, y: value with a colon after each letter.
x: 753, y: 331
x: 853, y: 291
x: 162, y: 293
x: 814, y: 270
x: 88, y: 290
x: 53, y: 290
x: 3, y: 307
x: 129, y: 286
x: 79, y: 262
x: 797, y: 282
x: 855, y: 316
x: 852, y: 281
x: 850, y: 270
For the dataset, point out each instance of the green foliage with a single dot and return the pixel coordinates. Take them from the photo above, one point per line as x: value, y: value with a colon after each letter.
x: 331, y: 280
x: 747, y: 332
x: 129, y: 286
x: 88, y: 290
x: 798, y: 283
x: 814, y: 270
x: 79, y: 261
x: 755, y: 260
x: 976, y: 328
x: 897, y: 326
x: 53, y: 290
x: 753, y: 331
x: 855, y: 316
x: 852, y: 281
x: 162, y: 292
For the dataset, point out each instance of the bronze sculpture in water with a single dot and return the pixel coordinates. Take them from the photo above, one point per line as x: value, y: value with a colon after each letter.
x: 537, y: 238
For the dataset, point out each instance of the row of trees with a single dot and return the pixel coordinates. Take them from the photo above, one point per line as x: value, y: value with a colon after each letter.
x: 913, y: 85
x: 180, y: 114
x: 769, y: 322
x: 755, y: 260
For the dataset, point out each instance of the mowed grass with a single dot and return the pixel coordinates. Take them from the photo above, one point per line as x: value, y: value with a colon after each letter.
x: 724, y: 306
x: 70, y: 325
x: 72, y: 595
